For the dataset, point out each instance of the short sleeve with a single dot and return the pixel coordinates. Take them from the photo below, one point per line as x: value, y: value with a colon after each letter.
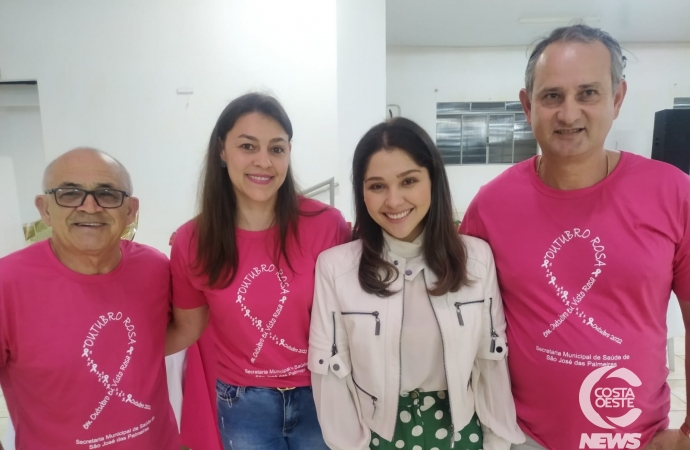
x: 472, y: 224
x: 344, y: 233
x: 185, y: 294
x: 681, y: 259
x: 332, y: 228
x: 4, y: 329
x: 8, y: 320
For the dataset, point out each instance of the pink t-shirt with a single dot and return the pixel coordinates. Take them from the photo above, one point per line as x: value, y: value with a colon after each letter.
x: 586, y: 277
x: 261, y: 320
x: 81, y: 356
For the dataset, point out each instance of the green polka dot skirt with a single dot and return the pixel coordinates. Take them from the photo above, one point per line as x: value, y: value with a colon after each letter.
x: 424, y: 424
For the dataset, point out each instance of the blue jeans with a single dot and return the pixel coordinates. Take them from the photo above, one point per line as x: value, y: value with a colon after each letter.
x: 255, y: 418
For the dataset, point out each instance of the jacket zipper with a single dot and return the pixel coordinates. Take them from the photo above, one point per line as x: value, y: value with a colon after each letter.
x: 494, y: 335
x: 374, y: 399
x: 443, y: 347
x: 402, y: 321
x: 457, y: 309
x: 377, y: 330
x: 334, y: 348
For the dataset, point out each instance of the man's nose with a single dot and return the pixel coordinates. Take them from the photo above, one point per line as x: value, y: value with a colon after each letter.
x: 90, y: 204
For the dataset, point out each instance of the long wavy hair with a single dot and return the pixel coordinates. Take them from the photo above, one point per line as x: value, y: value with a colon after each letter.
x: 443, y: 249
x: 217, y: 257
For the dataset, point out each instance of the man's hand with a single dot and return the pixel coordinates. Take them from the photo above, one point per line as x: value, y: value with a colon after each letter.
x: 669, y: 440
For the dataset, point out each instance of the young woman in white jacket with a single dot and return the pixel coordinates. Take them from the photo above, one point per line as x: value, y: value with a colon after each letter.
x: 407, y: 344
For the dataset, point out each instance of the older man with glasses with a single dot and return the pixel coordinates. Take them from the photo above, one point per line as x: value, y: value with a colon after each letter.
x: 83, y: 318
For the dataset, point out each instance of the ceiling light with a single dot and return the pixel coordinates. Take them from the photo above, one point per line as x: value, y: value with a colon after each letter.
x: 550, y: 20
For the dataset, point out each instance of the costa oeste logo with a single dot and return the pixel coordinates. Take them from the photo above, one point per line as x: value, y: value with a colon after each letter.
x: 610, y: 398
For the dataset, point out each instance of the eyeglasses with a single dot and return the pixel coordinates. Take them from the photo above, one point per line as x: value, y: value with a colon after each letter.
x: 74, y: 197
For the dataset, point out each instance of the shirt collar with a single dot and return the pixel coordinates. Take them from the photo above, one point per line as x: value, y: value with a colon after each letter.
x: 411, y: 252
x: 405, y: 249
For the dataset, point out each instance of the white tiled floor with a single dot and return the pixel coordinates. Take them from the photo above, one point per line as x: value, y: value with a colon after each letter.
x: 676, y: 381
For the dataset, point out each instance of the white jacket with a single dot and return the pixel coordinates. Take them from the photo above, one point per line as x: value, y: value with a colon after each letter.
x: 341, y: 347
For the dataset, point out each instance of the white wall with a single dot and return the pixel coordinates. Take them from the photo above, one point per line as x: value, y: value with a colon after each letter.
x: 361, y: 83
x: 418, y: 77
x: 108, y: 72
x: 11, y: 235
x: 21, y: 139
x: 656, y: 74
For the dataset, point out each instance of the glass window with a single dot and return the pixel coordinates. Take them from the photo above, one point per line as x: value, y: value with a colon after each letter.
x: 483, y: 133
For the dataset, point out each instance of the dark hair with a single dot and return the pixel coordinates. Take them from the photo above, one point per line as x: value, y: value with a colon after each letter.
x: 578, y: 33
x: 217, y: 256
x: 443, y: 249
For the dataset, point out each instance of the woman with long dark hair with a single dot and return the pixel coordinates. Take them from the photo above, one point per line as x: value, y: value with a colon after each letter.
x: 246, y: 264
x: 407, y: 344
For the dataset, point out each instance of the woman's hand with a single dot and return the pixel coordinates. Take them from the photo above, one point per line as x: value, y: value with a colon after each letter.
x: 185, y: 328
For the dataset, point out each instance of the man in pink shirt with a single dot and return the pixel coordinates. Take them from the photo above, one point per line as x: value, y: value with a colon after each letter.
x: 83, y: 318
x: 589, y: 243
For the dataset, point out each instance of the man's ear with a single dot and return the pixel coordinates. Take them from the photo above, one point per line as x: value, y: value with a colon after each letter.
x: 619, y: 96
x: 42, y: 204
x: 132, y: 209
x: 526, y: 105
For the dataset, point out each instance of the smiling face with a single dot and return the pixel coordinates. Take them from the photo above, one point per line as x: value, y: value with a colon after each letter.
x: 397, y: 193
x: 573, y: 104
x: 257, y: 153
x: 87, y: 229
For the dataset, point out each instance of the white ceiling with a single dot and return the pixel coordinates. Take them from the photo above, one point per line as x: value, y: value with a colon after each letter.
x: 481, y: 23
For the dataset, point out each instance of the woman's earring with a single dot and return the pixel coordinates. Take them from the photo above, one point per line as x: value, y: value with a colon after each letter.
x: 223, y: 163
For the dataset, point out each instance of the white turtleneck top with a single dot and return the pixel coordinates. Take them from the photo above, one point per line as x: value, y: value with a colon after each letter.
x: 421, y: 345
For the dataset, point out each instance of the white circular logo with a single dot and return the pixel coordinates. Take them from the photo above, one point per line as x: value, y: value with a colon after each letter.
x: 605, y: 397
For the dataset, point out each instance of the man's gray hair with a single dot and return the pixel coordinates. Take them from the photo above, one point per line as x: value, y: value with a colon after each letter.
x: 578, y: 33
